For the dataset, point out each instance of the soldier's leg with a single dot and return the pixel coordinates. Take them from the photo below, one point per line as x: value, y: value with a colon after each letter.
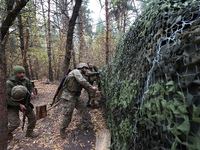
x: 13, y: 121
x: 68, y: 108
x: 31, y: 123
x: 80, y: 105
x: 90, y: 96
x: 89, y: 100
x: 92, y: 99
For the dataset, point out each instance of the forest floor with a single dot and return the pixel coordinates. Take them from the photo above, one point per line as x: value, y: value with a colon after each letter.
x: 48, y: 127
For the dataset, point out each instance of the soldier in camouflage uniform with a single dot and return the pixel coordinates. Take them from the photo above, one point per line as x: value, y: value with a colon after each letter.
x: 73, y: 85
x: 91, y: 76
x: 16, y: 87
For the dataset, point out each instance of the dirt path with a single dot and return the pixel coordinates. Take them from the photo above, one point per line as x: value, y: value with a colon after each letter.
x: 48, y: 127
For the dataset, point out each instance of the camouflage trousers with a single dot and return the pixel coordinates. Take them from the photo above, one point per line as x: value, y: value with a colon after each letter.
x: 14, y: 120
x: 68, y: 108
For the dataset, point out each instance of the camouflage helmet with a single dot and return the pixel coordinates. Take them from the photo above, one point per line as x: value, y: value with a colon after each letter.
x: 18, y: 93
x: 81, y: 65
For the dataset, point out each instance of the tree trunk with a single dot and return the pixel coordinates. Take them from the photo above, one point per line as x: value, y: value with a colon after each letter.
x: 125, y: 17
x: 47, y: 35
x: 41, y: 111
x: 36, y: 71
x: 70, y: 33
x: 10, y: 17
x: 80, y: 36
x: 3, y: 114
x: 49, y: 45
x: 66, y: 16
x: 31, y: 70
x: 25, y: 47
x: 107, y: 30
x: 21, y: 36
x: 74, y: 59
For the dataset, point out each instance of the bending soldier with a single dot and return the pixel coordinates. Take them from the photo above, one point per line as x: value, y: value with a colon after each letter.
x: 17, y: 88
x: 73, y: 85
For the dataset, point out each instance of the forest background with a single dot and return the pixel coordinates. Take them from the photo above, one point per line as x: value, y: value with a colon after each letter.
x: 37, y: 38
x: 49, y: 36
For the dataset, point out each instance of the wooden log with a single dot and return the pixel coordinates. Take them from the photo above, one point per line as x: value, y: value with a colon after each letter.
x: 41, y: 111
x: 103, y: 140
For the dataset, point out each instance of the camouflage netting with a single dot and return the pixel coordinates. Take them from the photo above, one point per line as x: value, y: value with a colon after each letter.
x: 152, y: 86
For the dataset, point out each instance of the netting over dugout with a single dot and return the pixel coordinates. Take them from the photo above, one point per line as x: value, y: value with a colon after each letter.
x: 152, y: 85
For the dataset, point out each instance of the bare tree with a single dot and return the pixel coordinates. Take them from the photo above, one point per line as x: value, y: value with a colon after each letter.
x: 70, y: 33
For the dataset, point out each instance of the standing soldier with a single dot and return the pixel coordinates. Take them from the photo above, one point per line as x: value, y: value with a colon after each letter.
x: 91, y: 77
x: 17, y: 88
x: 73, y: 85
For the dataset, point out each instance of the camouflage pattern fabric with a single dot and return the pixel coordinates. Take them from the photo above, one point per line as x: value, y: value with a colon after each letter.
x: 71, y: 97
x: 74, y: 89
x: 151, y: 86
x: 18, y: 93
x: 14, y: 120
x: 14, y: 81
x: 91, y: 76
x: 68, y: 108
x: 13, y: 106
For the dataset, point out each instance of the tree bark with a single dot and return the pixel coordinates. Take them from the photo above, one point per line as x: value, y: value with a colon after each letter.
x: 49, y: 45
x: 31, y: 70
x: 3, y: 114
x: 41, y: 111
x: 70, y: 33
x: 25, y: 47
x: 107, y: 27
x: 74, y: 58
x: 21, y: 37
x: 125, y: 18
x: 10, y: 17
x: 80, y: 36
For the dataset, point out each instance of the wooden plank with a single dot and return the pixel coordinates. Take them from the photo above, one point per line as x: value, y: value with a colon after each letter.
x: 103, y: 140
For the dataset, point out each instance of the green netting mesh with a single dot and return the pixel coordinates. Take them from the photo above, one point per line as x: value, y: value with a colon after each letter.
x: 152, y: 85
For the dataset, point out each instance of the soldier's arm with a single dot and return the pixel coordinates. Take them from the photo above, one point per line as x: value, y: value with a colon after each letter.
x: 83, y: 81
x: 90, y: 73
x: 8, y: 95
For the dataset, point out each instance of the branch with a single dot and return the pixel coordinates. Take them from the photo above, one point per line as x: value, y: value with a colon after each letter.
x: 11, y: 17
x: 72, y: 24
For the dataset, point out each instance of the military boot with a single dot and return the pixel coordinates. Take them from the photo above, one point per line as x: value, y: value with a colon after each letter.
x: 10, y: 136
x: 62, y: 133
x: 31, y: 134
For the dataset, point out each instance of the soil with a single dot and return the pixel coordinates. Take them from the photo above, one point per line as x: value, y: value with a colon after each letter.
x: 48, y: 127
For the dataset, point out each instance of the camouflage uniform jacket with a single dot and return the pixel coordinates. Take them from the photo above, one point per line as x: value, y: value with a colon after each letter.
x: 10, y: 83
x: 77, y: 82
